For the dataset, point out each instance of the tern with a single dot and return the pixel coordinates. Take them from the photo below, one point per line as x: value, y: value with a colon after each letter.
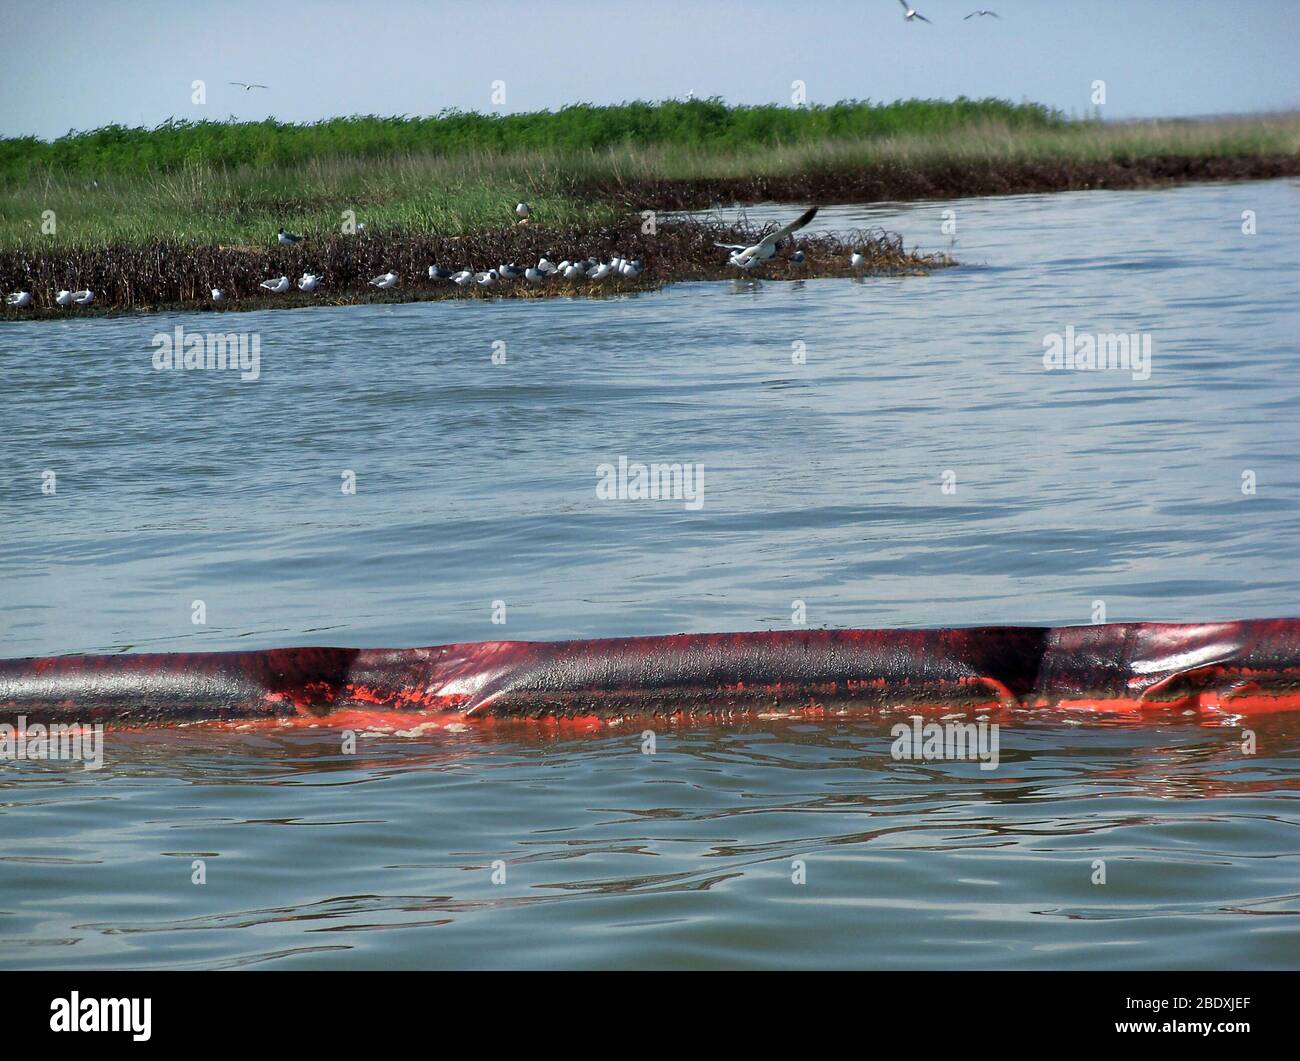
x: 602, y: 272
x: 64, y: 298
x: 797, y: 258
x: 510, y: 272
x: 246, y: 86
x: 534, y: 275
x: 747, y: 257
x: 437, y: 272
x: 385, y: 281
x: 631, y: 269
x: 524, y: 211
x: 287, y: 237
x: 487, y: 279
x: 218, y: 295
x: 856, y: 260
x: 910, y: 13
x: 545, y: 266
x: 308, y: 282
x: 462, y: 278
x: 276, y: 287
x: 19, y: 299
x: 982, y: 11
x: 574, y: 271
x: 83, y: 298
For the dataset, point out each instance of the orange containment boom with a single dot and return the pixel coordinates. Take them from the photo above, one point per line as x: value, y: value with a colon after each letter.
x: 1252, y: 666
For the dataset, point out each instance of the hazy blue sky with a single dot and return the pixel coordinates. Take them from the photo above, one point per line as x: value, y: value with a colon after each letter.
x: 66, y: 65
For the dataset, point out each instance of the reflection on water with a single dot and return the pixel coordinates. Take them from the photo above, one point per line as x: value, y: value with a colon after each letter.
x: 476, y: 483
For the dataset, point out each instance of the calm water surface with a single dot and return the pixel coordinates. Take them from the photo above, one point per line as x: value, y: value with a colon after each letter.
x: 475, y: 483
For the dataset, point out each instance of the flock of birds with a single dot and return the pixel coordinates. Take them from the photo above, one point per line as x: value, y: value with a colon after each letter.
x: 739, y: 255
x: 911, y: 14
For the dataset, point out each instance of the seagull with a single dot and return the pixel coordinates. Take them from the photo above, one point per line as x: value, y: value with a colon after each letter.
x: 385, y: 281
x: 288, y: 237
x: 747, y: 257
x: 631, y: 269
x: 510, y: 272
x: 487, y: 279
x: 218, y: 295
x: 308, y: 282
x: 524, y: 211
x: 534, y: 275
x: 437, y: 272
x: 276, y: 287
x: 83, y: 298
x: 19, y: 299
x: 246, y: 86
x: 981, y: 11
x: 545, y: 266
x: 64, y: 298
x: 574, y: 271
x: 909, y: 13
x: 856, y: 260
x: 462, y: 278
x: 601, y: 272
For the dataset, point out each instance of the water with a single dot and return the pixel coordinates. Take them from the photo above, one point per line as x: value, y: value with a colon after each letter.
x: 475, y: 483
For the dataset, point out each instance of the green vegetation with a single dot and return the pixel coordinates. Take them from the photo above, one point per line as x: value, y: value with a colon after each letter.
x: 235, y: 184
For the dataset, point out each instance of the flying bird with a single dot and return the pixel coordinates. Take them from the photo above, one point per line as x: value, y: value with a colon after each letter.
x: 276, y: 287
x: 982, y: 11
x: 19, y: 299
x: 910, y: 13
x: 747, y: 257
x: 246, y: 86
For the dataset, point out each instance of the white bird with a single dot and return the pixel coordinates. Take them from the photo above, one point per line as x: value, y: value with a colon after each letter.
x: 563, y: 265
x: 19, y: 299
x: 601, y: 272
x: 545, y: 266
x: 533, y: 275
x: 631, y: 269
x: 287, y: 237
x: 64, y: 298
x: 510, y: 272
x: 856, y: 260
x: 462, y: 278
x: 83, y: 298
x: 574, y: 271
x: 747, y: 257
x: 276, y: 287
x: 246, y: 86
x: 438, y: 272
x: 910, y: 13
x: 218, y: 295
x: 385, y: 281
x: 487, y: 279
x: 308, y: 282
x: 797, y: 258
x: 524, y: 211
x: 982, y: 11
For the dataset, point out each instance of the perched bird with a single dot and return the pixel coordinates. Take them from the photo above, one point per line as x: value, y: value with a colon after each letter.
x: 524, y: 211
x: 797, y: 258
x: 600, y: 272
x: 982, y: 11
x: 631, y: 269
x: 856, y: 260
x: 19, y: 299
x: 384, y: 281
x: 288, y: 237
x: 462, y: 278
x: 246, y: 86
x: 64, y: 298
x: 510, y: 272
x: 563, y: 265
x: 218, y: 295
x: 276, y: 287
x: 83, y: 298
x: 545, y: 266
x: 437, y: 272
x: 487, y: 279
x: 533, y: 275
x: 308, y: 282
x: 572, y: 272
x: 910, y: 13
x: 747, y: 257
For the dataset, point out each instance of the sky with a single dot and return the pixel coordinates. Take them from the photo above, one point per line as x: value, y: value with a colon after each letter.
x: 79, y: 66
